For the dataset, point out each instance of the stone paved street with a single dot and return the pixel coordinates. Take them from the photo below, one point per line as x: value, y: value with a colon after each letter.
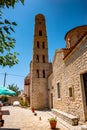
x: 23, y: 119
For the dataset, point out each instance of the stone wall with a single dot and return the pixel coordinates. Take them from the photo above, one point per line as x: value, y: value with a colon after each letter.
x: 39, y: 94
x: 12, y: 99
x: 68, y: 74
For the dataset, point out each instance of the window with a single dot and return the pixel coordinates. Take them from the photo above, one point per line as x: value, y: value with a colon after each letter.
x: 40, y: 33
x: 43, y: 73
x: 70, y: 92
x: 58, y: 90
x: 38, y: 46
x: 43, y: 58
x: 43, y: 45
x: 37, y: 73
x: 37, y: 58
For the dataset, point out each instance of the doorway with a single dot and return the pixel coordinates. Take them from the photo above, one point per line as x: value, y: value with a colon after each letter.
x: 85, y: 86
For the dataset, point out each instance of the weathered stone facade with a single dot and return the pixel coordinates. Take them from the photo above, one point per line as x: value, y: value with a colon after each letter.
x: 68, y: 74
x: 40, y: 66
x: 26, y: 94
x: 61, y: 85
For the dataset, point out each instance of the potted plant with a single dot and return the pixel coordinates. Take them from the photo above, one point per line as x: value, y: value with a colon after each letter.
x: 53, y: 122
x: 33, y: 110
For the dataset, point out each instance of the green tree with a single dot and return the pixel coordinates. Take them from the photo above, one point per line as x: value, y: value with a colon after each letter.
x: 14, y: 88
x: 7, y: 43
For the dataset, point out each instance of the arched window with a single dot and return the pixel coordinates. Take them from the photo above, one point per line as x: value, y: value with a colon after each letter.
x: 43, y: 73
x: 40, y: 33
x: 43, y: 45
x: 37, y: 58
x: 37, y: 73
x: 43, y: 58
x: 38, y: 46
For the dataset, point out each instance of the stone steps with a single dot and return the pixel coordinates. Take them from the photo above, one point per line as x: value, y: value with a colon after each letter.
x: 72, y: 120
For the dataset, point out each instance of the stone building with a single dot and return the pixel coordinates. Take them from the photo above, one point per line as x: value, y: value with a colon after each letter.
x: 70, y: 75
x: 40, y: 67
x: 61, y: 85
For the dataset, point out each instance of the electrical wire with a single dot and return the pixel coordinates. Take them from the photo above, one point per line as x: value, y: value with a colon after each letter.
x: 13, y: 75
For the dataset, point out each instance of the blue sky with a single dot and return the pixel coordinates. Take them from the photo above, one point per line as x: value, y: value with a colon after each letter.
x: 61, y: 16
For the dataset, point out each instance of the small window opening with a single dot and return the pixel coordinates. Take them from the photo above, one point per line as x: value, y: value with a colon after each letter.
x: 37, y: 58
x: 40, y: 33
x: 37, y: 73
x: 43, y: 73
x: 70, y: 92
x: 58, y: 90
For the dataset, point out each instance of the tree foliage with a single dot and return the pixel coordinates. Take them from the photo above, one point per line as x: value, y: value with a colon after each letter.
x: 7, y: 43
x: 14, y: 88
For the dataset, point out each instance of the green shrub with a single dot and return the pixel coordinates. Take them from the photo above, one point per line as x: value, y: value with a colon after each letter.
x: 24, y: 103
x: 4, y: 99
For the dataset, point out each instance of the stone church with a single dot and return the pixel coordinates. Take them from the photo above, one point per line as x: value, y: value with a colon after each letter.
x: 61, y: 85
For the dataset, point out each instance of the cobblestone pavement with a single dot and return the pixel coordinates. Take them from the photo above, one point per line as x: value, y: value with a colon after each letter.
x: 23, y: 119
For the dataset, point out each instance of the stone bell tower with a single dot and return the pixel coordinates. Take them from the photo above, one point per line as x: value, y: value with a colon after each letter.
x: 39, y: 67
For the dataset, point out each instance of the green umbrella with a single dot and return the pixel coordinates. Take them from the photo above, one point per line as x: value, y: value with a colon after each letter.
x: 6, y: 91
